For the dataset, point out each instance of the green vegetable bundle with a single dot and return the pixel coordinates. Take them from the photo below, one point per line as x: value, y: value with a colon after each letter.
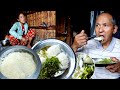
x: 105, y: 61
x: 87, y: 72
x: 49, y: 68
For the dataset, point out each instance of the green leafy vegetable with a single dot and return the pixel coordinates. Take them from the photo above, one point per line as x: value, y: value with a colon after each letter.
x: 43, y: 51
x: 49, y: 68
x: 88, y: 60
x: 45, y: 48
x: 87, y: 72
x: 105, y: 61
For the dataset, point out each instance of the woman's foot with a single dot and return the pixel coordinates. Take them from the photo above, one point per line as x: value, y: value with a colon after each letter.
x: 28, y: 46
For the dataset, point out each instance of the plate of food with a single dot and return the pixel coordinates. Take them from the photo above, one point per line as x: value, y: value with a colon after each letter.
x: 103, y: 62
x: 19, y: 62
x: 84, y: 68
x: 57, y: 58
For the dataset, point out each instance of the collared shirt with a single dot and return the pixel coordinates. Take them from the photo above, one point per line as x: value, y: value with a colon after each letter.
x: 95, y: 50
x: 16, y: 30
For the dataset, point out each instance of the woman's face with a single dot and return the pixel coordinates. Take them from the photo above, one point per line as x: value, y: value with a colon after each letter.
x: 22, y: 18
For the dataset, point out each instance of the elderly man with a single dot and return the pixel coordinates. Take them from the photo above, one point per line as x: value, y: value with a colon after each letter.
x: 105, y: 26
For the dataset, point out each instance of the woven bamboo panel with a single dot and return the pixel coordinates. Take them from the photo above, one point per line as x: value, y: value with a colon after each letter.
x: 37, y: 18
x: 42, y: 34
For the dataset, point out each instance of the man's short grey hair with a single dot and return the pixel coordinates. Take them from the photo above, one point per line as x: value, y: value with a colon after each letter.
x: 113, y: 20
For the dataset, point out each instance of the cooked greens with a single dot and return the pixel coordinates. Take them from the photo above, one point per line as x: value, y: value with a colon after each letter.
x: 105, y: 61
x: 88, y: 60
x: 49, y: 68
x: 45, y: 48
x: 42, y: 52
x: 87, y: 72
x: 87, y: 69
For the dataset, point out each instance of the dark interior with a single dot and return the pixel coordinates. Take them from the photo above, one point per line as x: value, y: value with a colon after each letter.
x: 78, y: 12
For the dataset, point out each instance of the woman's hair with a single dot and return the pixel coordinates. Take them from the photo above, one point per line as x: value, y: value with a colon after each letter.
x: 18, y: 13
x: 16, y: 17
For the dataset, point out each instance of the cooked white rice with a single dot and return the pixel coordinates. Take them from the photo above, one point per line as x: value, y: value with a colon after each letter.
x: 18, y: 65
x: 54, y: 50
x: 42, y: 59
x: 63, y: 58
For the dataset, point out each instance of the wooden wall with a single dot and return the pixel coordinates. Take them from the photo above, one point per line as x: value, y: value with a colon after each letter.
x: 56, y: 25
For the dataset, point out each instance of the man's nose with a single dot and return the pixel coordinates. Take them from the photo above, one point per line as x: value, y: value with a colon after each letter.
x: 101, y: 29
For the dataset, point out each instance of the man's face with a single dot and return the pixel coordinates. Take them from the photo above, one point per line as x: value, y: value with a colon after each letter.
x: 105, y: 28
x: 22, y: 18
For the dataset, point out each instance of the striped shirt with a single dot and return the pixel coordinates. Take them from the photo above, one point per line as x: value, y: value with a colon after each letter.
x: 95, y: 50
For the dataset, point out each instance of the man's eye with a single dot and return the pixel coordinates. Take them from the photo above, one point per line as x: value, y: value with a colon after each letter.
x: 105, y: 25
x: 96, y: 25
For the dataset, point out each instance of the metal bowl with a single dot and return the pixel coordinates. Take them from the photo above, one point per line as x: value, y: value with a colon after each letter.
x: 72, y: 58
x: 85, y: 68
x: 11, y: 49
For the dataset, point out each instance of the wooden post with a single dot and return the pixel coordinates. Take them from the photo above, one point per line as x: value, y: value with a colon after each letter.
x: 69, y: 31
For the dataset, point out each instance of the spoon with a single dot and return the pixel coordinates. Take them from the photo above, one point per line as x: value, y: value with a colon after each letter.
x: 99, y: 38
x: 81, y: 63
x: 91, y: 37
x: 96, y: 38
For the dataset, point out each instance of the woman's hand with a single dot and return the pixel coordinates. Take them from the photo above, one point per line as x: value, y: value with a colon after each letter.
x: 115, y: 67
x: 23, y: 39
x: 80, y: 40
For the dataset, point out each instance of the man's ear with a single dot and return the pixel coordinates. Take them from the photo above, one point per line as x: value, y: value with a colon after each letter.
x: 115, y: 29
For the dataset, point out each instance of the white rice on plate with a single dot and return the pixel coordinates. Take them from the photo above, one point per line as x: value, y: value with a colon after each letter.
x: 18, y: 65
x: 63, y: 58
x: 54, y: 50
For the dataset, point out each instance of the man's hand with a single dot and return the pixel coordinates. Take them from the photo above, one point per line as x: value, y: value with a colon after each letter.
x: 115, y: 67
x: 80, y: 40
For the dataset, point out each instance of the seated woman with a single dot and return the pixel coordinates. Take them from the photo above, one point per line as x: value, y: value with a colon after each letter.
x: 19, y: 33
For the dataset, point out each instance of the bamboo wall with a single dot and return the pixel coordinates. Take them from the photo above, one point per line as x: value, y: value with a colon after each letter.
x: 35, y: 19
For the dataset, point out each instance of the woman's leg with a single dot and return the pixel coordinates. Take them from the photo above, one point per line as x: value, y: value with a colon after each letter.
x: 30, y: 35
x: 24, y: 43
x: 29, y: 42
x: 13, y: 41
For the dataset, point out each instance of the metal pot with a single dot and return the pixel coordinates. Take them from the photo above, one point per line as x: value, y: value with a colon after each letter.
x: 11, y: 49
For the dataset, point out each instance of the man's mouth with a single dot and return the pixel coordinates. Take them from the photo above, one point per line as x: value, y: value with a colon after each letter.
x: 102, y: 37
x: 99, y: 38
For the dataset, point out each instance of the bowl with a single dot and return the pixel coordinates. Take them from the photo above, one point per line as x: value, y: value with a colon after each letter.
x: 66, y: 48
x: 16, y: 48
x: 85, y: 66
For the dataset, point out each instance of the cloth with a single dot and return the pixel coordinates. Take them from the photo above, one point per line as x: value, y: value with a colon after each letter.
x: 15, y: 41
x: 16, y: 30
x: 95, y: 50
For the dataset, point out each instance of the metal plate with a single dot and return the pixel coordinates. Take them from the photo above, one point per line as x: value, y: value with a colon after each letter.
x: 72, y: 65
x: 10, y: 49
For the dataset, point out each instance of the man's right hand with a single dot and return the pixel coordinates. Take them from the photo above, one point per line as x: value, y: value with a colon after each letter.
x: 80, y: 40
